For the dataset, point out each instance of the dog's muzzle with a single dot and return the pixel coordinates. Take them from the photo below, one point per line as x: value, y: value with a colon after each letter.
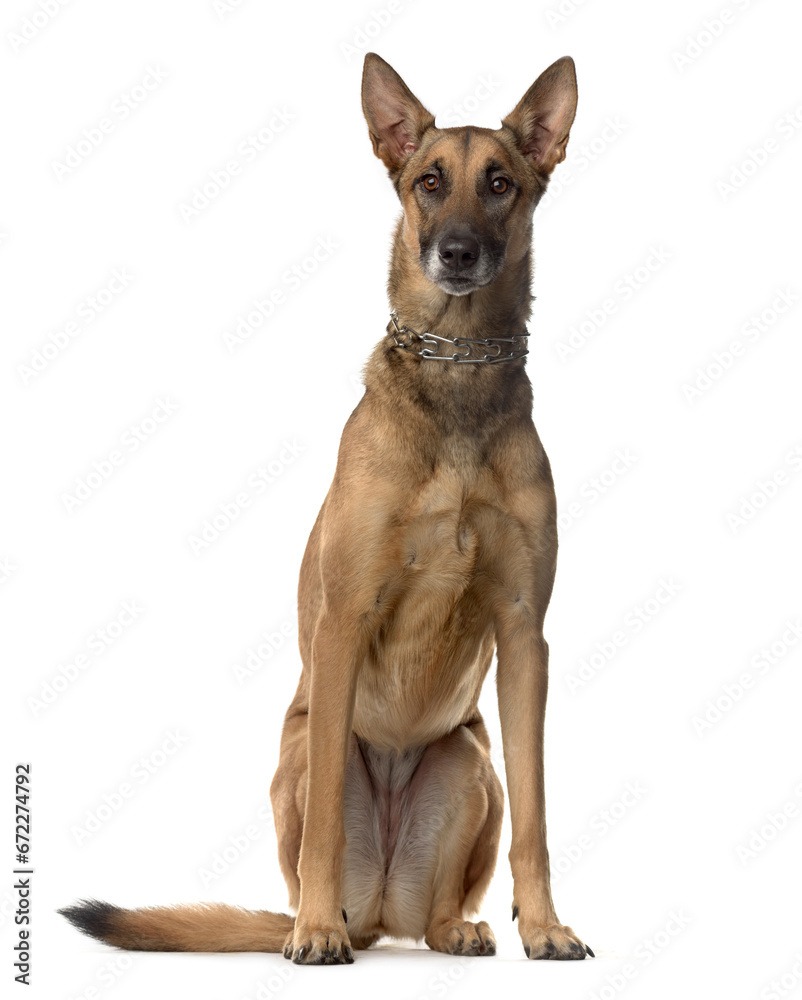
x: 458, y: 253
x: 459, y: 264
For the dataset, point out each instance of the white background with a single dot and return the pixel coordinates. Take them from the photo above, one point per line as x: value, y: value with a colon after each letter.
x: 671, y: 111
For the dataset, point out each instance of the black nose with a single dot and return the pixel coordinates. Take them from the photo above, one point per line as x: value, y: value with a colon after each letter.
x: 458, y: 252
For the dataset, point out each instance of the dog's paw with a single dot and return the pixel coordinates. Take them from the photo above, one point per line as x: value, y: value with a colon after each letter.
x: 308, y: 946
x: 550, y: 941
x: 461, y: 937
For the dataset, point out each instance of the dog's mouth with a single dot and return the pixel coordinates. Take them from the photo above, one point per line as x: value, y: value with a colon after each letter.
x: 476, y: 272
x: 456, y: 284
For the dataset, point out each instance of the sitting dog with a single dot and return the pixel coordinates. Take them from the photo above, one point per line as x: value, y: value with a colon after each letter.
x: 435, y: 547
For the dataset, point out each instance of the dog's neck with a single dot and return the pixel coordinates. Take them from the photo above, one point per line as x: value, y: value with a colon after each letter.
x: 467, y: 400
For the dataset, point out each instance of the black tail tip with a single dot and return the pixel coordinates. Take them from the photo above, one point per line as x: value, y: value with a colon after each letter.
x: 92, y: 917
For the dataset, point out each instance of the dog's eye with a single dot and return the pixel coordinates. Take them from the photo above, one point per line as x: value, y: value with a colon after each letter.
x: 430, y: 182
x: 500, y: 185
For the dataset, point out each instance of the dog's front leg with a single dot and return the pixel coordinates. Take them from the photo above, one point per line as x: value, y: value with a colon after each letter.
x: 522, y: 685
x: 320, y: 936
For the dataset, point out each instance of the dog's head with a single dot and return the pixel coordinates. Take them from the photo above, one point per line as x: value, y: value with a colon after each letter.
x: 468, y: 193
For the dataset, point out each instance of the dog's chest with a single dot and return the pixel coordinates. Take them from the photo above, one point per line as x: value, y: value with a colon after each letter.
x: 431, y: 652
x: 449, y: 525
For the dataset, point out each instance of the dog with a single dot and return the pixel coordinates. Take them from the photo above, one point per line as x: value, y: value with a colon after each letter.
x: 435, y: 547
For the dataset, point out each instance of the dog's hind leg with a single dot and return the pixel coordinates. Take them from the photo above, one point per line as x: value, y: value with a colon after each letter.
x: 288, y: 798
x: 288, y: 795
x: 440, y: 824
x: 469, y: 841
x: 422, y: 830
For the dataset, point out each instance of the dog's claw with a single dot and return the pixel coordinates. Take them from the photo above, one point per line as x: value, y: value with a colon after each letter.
x: 514, y: 913
x: 300, y: 956
x: 589, y: 950
x: 349, y: 955
x: 554, y: 943
x: 345, y: 915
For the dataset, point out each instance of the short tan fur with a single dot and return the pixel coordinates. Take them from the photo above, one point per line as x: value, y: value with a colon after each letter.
x: 435, y: 546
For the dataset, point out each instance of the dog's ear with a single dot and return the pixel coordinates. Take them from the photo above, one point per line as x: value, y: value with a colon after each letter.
x: 543, y: 117
x: 396, y: 118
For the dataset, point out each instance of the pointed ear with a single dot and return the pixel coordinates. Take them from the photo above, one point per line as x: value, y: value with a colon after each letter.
x: 396, y: 118
x: 543, y: 117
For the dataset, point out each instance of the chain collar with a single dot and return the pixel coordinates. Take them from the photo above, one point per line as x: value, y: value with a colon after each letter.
x: 490, y: 350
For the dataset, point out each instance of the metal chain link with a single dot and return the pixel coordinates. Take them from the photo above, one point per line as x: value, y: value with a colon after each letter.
x: 405, y: 338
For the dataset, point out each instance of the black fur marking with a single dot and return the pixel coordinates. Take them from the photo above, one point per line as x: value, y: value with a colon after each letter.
x: 92, y: 917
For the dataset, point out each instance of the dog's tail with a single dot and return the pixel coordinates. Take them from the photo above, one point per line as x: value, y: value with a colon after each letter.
x: 196, y: 927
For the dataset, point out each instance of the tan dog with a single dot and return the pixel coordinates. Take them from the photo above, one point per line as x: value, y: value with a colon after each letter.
x: 435, y: 546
